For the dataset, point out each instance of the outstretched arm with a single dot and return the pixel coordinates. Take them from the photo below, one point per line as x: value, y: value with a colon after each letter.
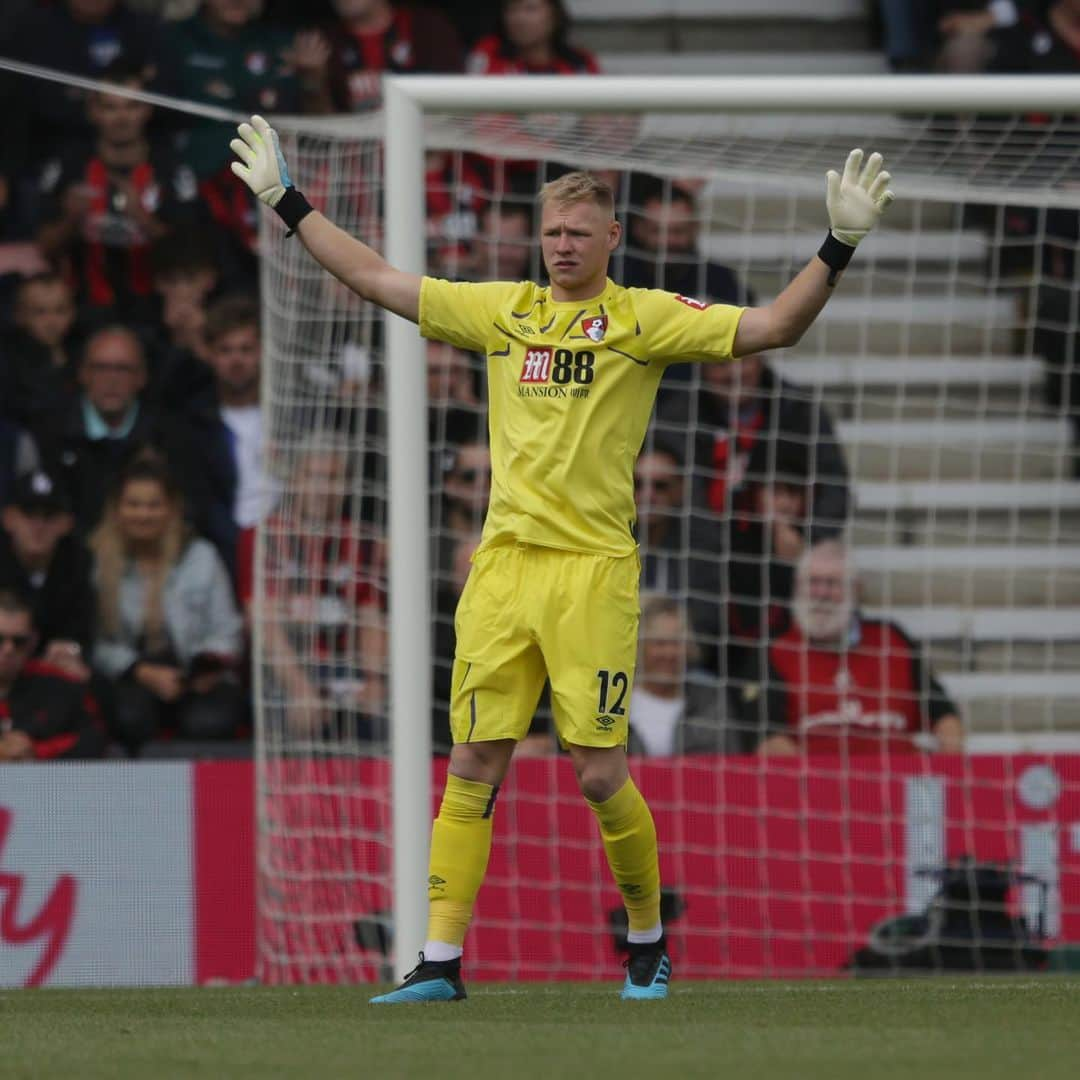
x: 855, y: 202
x: 262, y: 167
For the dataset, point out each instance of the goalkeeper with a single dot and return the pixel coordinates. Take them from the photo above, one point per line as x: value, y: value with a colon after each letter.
x: 573, y: 369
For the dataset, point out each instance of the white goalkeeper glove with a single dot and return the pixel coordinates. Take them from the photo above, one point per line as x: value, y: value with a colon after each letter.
x: 262, y: 167
x: 857, y: 199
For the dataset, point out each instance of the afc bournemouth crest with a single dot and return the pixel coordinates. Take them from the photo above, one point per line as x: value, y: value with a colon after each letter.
x: 595, y: 326
x: 691, y: 302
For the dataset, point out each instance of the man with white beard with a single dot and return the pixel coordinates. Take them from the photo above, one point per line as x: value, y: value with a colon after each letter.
x: 838, y: 682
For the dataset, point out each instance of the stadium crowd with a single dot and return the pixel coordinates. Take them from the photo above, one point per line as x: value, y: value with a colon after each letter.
x: 134, y: 462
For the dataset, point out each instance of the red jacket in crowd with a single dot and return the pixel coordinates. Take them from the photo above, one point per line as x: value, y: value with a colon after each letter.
x: 56, y: 712
x: 873, y: 695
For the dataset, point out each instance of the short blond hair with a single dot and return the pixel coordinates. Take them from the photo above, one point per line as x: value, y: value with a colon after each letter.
x: 575, y: 187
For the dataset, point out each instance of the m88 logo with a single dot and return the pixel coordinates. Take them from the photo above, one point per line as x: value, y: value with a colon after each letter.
x: 558, y: 366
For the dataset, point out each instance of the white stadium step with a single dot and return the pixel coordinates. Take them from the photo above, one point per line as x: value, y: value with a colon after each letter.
x: 1000, y: 557
x: 820, y: 10
x: 893, y: 371
x: 913, y: 324
x: 968, y: 686
x: 616, y: 10
x: 945, y: 496
x: 730, y: 201
x: 808, y: 62
x: 989, y: 576
x: 886, y: 245
x: 985, y: 624
x: 941, y: 449
x: 1005, y: 434
x: 1009, y: 713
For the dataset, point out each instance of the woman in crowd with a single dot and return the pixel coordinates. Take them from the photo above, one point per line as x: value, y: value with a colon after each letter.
x: 169, y: 634
x: 531, y: 40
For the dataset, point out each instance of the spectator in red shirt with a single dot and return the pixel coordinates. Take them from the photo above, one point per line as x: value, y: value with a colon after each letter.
x: 104, y: 208
x: 531, y: 40
x: 454, y: 191
x: 44, y: 714
x: 341, y: 66
x: 838, y: 682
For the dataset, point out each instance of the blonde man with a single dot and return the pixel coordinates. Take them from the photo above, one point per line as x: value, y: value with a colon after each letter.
x: 573, y: 369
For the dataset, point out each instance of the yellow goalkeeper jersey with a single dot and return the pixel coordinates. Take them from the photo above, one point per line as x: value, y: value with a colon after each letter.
x: 571, y: 385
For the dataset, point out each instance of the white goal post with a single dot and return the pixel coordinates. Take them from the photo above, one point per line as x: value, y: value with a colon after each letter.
x: 407, y: 101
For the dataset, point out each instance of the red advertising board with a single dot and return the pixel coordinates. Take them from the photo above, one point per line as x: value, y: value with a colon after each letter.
x: 783, y: 866
x: 142, y: 874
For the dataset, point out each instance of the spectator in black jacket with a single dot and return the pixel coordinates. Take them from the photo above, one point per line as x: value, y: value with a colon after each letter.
x: 662, y: 246
x: 37, y: 367
x: 43, y: 713
x: 768, y: 537
x: 107, y: 423
x: 741, y: 413
x: 82, y: 37
x: 238, y: 486
x: 42, y: 559
x: 1045, y: 40
x: 187, y: 272
x: 18, y: 454
x: 681, y: 551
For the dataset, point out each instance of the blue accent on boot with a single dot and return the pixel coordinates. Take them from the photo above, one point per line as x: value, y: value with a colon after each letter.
x: 647, y: 973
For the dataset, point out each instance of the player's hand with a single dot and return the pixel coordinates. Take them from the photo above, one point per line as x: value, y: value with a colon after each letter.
x: 16, y: 746
x: 857, y: 199
x: 261, y: 166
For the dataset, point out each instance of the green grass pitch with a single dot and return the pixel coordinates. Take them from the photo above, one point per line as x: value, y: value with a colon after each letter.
x: 1020, y: 1028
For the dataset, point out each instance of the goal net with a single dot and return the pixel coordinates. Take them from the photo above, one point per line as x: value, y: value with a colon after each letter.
x: 921, y: 439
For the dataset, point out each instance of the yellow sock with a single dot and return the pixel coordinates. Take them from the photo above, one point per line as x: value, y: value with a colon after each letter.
x: 629, y: 836
x: 460, y: 846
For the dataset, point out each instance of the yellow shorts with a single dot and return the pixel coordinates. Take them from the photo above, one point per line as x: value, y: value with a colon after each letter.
x: 528, y: 613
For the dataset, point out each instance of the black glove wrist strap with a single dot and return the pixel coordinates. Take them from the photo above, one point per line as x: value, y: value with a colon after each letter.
x: 835, y: 254
x: 292, y: 208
